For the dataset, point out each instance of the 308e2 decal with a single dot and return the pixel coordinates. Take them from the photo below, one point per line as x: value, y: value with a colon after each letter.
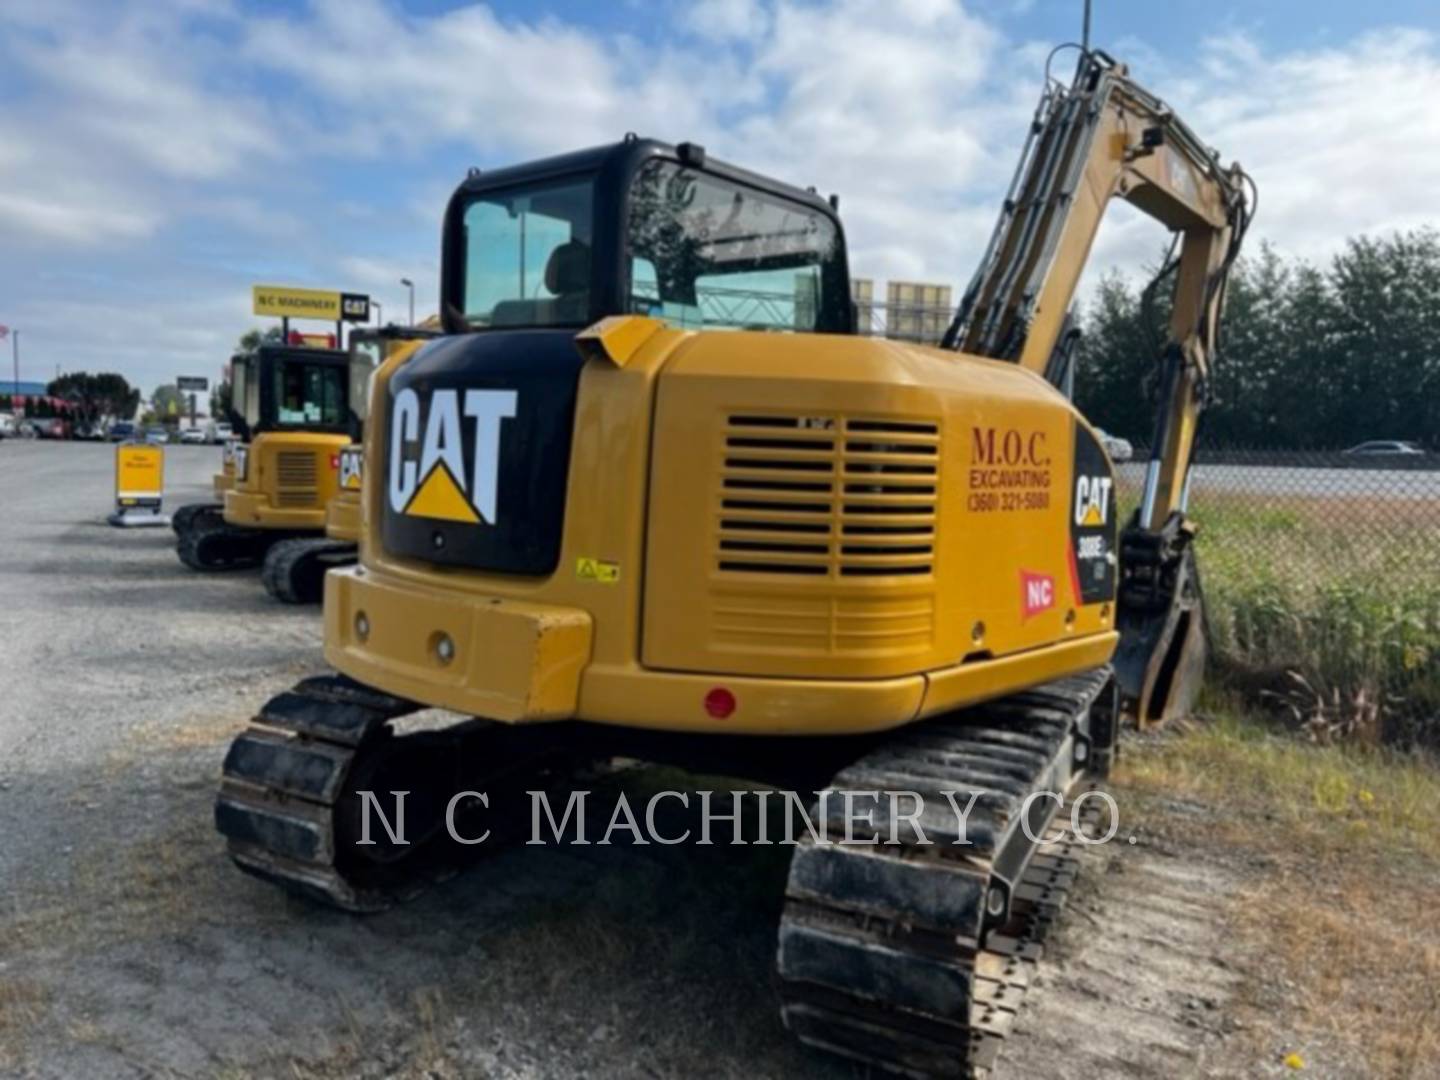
x: 1092, y: 552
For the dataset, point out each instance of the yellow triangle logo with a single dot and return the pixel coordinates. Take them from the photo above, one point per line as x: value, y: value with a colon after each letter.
x: 1092, y: 516
x: 440, y: 497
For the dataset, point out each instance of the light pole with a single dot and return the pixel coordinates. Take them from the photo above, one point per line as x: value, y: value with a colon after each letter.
x: 379, y: 312
x: 411, y: 286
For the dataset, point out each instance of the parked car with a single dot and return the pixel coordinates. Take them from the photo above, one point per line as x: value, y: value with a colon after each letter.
x: 194, y: 435
x: 48, y: 427
x: 1119, y: 449
x: 222, y: 433
x: 90, y: 432
x: 7, y: 426
x: 1385, y: 448
x: 157, y: 436
x: 122, y: 430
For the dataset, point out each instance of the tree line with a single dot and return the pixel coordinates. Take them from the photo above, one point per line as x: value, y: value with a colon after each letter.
x: 1312, y: 357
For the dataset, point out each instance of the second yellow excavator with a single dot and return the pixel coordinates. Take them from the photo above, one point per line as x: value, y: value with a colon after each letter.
x: 294, y: 568
x: 652, y: 497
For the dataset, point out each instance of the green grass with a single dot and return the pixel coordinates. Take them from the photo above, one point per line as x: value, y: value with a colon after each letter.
x: 1321, y: 796
x: 1342, y: 592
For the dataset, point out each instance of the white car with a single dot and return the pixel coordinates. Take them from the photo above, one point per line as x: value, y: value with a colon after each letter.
x: 193, y: 435
x: 222, y: 433
x: 7, y: 426
x: 1119, y: 449
x: 1386, y: 448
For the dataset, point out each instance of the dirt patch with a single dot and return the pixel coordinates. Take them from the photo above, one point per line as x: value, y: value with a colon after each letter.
x: 1331, y: 919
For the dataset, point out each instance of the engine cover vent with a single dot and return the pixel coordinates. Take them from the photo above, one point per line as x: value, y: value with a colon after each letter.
x: 828, y: 496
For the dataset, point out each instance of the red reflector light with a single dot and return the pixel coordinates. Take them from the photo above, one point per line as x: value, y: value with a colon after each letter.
x: 720, y: 703
x: 335, y: 462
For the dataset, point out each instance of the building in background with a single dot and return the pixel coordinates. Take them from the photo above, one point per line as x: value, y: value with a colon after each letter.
x: 912, y: 310
x: 917, y: 311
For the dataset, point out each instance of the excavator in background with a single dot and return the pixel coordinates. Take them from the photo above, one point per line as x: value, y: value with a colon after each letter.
x: 652, y: 497
x: 294, y: 409
x: 221, y: 482
x: 294, y: 568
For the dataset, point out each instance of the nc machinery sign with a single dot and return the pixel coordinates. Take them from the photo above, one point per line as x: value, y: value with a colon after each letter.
x: 286, y: 303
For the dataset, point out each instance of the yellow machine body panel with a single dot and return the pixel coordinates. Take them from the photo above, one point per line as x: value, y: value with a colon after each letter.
x: 841, y: 505
x: 224, y: 480
x: 342, y: 513
x: 342, y: 517
x: 841, y: 534
x: 283, y: 480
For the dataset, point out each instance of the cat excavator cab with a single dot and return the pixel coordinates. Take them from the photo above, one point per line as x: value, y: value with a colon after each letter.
x: 651, y: 497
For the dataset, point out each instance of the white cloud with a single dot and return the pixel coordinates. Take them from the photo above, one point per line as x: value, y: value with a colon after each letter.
x: 117, y: 125
x: 81, y: 222
x: 185, y: 134
x: 1340, y: 140
x: 727, y: 20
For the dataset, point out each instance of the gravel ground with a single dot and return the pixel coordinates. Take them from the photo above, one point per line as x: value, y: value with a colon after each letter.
x: 129, y: 947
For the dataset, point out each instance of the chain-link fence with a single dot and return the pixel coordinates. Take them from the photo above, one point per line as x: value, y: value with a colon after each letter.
x: 1322, y: 583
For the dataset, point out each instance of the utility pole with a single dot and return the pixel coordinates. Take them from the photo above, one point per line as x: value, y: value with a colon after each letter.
x: 411, y: 286
x: 15, y: 345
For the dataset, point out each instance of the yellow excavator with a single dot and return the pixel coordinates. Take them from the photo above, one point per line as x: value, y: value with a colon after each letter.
x: 652, y: 497
x: 221, y: 482
x: 294, y: 568
x: 294, y: 409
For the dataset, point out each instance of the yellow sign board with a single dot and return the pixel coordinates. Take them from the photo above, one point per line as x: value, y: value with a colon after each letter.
x: 287, y: 303
x: 139, y: 474
x: 283, y: 303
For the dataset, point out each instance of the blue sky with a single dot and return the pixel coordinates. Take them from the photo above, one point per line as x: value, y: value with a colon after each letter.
x: 158, y: 158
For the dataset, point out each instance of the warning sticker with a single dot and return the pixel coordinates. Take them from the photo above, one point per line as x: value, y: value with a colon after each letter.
x: 599, y: 570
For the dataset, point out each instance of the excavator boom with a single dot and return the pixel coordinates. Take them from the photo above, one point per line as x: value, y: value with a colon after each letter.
x: 1100, y: 138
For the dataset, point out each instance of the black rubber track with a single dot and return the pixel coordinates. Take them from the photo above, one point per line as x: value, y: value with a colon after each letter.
x: 892, y: 954
x: 294, y: 570
x: 184, y: 519
x: 289, y: 800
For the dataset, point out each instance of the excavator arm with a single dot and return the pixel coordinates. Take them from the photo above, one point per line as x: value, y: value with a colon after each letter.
x: 1099, y: 138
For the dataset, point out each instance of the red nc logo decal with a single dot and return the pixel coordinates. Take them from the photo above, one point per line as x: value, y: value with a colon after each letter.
x: 1037, y: 593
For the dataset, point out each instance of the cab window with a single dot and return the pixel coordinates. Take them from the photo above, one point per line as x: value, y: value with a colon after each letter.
x: 527, y: 255
x: 704, y: 251
x: 310, y: 394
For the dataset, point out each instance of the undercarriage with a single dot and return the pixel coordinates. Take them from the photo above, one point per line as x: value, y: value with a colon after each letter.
x: 909, y: 948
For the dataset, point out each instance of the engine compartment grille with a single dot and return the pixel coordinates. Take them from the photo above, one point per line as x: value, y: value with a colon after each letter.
x: 297, y: 478
x: 295, y: 468
x: 828, y: 496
